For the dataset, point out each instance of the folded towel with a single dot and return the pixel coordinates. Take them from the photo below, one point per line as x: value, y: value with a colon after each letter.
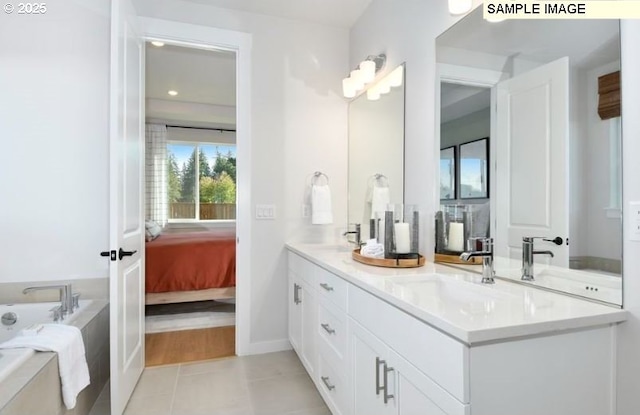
x: 72, y: 365
x: 372, y: 249
x: 321, y: 211
x: 380, y: 198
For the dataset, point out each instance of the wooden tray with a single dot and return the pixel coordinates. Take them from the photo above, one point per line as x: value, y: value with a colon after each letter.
x: 388, y: 262
x: 455, y: 259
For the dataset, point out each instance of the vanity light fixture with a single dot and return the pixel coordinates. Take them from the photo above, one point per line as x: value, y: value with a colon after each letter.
x: 392, y: 80
x: 362, y: 75
x: 460, y: 6
x: 157, y: 43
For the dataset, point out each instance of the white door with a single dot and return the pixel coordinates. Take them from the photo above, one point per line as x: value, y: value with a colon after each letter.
x: 532, y: 166
x: 126, y: 277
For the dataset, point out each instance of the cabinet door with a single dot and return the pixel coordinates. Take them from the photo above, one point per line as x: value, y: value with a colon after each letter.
x: 414, y: 401
x: 295, y: 313
x: 368, y: 355
x: 309, y: 307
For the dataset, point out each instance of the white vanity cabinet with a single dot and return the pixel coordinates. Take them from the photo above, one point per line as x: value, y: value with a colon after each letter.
x: 303, y: 311
x: 371, y: 355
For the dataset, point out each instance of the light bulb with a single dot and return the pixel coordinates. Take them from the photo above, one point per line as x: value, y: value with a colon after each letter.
x: 367, y: 71
x: 157, y: 43
x: 356, y: 78
x: 460, y: 6
x: 348, y: 89
x: 373, y: 93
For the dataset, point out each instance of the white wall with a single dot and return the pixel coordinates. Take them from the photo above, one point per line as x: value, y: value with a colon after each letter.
x: 299, y: 125
x: 54, y: 162
x: 629, y: 333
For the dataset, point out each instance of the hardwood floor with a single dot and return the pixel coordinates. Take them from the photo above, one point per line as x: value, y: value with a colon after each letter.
x: 189, y: 345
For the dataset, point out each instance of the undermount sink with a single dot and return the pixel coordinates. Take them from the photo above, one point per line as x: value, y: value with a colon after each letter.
x: 462, y: 295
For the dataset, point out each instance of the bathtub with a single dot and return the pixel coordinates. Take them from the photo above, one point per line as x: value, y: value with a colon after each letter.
x: 27, y: 314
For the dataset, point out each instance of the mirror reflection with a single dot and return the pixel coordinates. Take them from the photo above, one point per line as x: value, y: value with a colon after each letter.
x: 376, y: 151
x: 545, y: 95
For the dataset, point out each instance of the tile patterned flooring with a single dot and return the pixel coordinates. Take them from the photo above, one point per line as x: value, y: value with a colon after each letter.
x: 268, y: 384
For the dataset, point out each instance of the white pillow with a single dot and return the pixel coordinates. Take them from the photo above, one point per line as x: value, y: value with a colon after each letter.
x: 152, y: 230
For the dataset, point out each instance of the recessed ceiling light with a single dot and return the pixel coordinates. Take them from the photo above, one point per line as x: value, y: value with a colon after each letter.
x: 172, y: 93
x: 157, y: 44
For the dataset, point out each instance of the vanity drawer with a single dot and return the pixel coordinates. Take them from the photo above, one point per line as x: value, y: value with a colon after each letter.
x: 332, y: 329
x: 332, y: 287
x: 440, y: 357
x: 333, y: 388
x: 301, y: 267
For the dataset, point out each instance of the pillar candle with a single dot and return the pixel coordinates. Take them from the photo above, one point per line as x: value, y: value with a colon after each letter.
x: 403, y: 241
x: 456, y: 237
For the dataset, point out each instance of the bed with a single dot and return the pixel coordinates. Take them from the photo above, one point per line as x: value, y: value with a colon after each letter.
x: 191, y: 266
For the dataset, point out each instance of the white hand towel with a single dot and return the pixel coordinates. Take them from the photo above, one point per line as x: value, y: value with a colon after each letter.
x: 380, y: 198
x: 321, y: 210
x: 72, y: 364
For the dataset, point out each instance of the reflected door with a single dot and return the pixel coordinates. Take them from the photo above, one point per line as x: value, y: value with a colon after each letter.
x: 532, y: 169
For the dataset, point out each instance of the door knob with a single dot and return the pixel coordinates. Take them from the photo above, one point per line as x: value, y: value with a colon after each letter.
x: 122, y: 253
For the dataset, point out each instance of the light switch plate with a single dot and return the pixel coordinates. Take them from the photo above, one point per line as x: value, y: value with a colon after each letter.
x: 306, y: 210
x: 634, y: 221
x: 265, y: 212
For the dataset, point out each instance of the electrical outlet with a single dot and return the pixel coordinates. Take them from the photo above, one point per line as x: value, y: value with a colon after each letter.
x: 306, y: 210
x: 634, y: 221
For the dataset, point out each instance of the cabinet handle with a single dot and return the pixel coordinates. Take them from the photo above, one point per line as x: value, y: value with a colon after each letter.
x: 325, y: 380
x: 386, y: 395
x: 296, y: 294
x: 326, y: 286
x: 327, y: 328
x: 378, y: 387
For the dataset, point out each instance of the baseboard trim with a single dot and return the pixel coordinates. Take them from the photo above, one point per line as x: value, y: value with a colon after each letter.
x: 267, y: 347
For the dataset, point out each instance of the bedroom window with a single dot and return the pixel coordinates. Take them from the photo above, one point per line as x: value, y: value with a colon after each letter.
x: 205, y: 173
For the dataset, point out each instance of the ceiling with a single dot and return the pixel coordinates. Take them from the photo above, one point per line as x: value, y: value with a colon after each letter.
x: 204, y: 79
x: 587, y: 43
x: 459, y: 100
x: 340, y: 13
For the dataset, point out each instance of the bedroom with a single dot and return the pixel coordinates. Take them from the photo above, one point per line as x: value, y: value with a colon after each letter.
x: 190, y: 153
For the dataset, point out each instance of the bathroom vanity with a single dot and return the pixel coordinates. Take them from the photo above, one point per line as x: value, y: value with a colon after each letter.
x: 433, y: 340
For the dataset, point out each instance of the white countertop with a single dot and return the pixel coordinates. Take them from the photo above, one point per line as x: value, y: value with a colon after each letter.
x: 455, y: 302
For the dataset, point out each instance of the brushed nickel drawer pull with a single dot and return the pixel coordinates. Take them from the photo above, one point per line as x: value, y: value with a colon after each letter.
x: 327, y: 328
x: 326, y: 286
x: 325, y: 380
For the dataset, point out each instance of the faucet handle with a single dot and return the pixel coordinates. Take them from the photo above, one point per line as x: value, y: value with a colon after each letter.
x: 529, y: 239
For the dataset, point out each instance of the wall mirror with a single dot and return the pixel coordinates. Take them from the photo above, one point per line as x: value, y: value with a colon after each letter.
x: 534, y: 88
x: 376, y: 151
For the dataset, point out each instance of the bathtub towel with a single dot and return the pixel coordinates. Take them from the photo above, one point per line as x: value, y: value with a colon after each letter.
x: 67, y: 342
x: 321, y: 210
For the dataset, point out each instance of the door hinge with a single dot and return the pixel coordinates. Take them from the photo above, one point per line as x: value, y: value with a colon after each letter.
x: 111, y: 254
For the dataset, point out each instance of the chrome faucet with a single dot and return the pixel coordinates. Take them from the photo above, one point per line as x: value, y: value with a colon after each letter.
x: 66, y: 295
x: 487, y: 260
x: 528, y: 252
x: 356, y: 232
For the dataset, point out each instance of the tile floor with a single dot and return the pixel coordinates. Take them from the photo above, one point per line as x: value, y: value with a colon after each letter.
x: 268, y: 384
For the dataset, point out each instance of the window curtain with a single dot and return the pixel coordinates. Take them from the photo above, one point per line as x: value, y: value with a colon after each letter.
x: 157, y: 204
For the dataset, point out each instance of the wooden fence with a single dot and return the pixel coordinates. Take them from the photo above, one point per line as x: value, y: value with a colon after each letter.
x: 208, y: 211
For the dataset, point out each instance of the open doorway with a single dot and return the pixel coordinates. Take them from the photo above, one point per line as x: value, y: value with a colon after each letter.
x: 190, y: 203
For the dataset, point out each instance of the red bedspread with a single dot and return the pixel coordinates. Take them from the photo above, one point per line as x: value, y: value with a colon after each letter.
x: 191, y: 261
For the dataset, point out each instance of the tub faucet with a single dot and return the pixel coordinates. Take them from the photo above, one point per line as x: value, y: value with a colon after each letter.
x: 66, y: 296
x: 528, y: 252
x: 487, y: 260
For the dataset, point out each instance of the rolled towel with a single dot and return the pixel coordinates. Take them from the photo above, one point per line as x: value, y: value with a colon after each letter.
x: 380, y: 198
x: 321, y: 210
x: 372, y: 249
x: 67, y: 342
